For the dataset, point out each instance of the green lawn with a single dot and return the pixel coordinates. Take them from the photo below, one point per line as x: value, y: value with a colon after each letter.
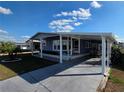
x: 28, y: 63
x: 116, y: 79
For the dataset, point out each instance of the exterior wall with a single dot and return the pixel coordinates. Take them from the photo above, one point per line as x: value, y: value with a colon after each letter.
x: 84, y: 49
x: 49, y: 43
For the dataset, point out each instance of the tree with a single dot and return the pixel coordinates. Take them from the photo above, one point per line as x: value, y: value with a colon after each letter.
x: 8, y: 47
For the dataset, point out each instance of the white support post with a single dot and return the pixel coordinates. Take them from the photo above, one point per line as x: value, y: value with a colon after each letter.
x: 31, y: 42
x: 60, y: 49
x: 71, y: 46
x: 79, y: 45
x: 108, y: 53
x: 103, y: 55
x: 41, y: 48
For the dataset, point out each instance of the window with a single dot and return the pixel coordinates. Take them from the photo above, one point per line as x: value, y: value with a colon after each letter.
x: 56, y: 45
x: 75, y: 45
x: 44, y: 42
x: 87, y: 44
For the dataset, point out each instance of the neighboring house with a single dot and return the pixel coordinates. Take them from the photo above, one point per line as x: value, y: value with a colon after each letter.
x: 64, y: 46
x: 23, y: 46
x: 121, y: 44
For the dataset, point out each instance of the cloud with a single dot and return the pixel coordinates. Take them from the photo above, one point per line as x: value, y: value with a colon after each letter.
x: 3, y: 32
x: 7, y: 38
x: 77, y: 23
x: 72, y: 18
x: 118, y: 38
x: 24, y: 38
x: 62, y: 25
x: 6, y: 11
x: 4, y: 36
x: 67, y: 28
x: 67, y: 25
x: 81, y: 13
x: 95, y: 4
x: 60, y: 22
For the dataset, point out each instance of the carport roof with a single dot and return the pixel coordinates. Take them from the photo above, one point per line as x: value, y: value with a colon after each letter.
x: 85, y: 35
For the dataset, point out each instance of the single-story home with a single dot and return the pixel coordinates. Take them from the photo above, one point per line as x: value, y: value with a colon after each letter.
x: 65, y: 46
x: 23, y: 46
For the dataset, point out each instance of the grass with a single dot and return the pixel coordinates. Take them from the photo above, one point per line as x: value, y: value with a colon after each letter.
x: 28, y: 63
x: 116, y: 79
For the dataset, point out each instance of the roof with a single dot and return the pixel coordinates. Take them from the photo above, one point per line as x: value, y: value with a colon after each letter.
x: 21, y: 43
x: 78, y: 34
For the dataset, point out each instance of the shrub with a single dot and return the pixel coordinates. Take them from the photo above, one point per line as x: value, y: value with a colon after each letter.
x: 116, y: 55
x: 8, y: 47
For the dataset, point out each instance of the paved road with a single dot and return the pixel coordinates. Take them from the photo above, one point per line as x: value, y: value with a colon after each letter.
x: 64, y: 77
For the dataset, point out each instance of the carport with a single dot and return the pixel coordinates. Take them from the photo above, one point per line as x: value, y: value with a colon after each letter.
x: 106, y: 42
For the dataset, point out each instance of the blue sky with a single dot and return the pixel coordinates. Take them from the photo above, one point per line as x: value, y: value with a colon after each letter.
x: 20, y: 20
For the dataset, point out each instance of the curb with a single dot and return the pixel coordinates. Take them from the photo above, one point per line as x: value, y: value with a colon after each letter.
x: 103, y: 82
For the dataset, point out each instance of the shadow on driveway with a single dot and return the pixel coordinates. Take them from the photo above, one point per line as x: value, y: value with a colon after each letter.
x: 41, y: 74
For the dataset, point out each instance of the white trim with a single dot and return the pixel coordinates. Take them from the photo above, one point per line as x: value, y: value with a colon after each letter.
x: 103, y: 55
x: 60, y: 48
x: 31, y: 41
x: 75, y: 37
x: 65, y: 57
x: 41, y: 48
x: 78, y: 56
x: 108, y: 51
x: 71, y: 46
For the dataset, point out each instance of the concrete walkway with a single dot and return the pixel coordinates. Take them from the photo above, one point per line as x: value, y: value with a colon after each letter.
x: 64, y: 77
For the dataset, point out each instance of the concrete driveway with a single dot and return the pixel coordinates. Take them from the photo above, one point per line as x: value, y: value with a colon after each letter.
x: 66, y: 77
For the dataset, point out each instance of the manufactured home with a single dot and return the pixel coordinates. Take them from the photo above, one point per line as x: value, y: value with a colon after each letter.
x: 66, y: 46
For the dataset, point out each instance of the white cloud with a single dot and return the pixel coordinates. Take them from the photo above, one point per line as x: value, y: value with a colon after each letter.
x: 67, y: 25
x: 60, y: 22
x: 7, y: 38
x: 66, y: 28
x: 4, y: 36
x: 3, y: 31
x: 80, y: 13
x: 76, y: 18
x: 118, y: 38
x: 77, y: 23
x: 61, y: 25
x: 6, y: 11
x: 95, y: 4
x: 25, y: 37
